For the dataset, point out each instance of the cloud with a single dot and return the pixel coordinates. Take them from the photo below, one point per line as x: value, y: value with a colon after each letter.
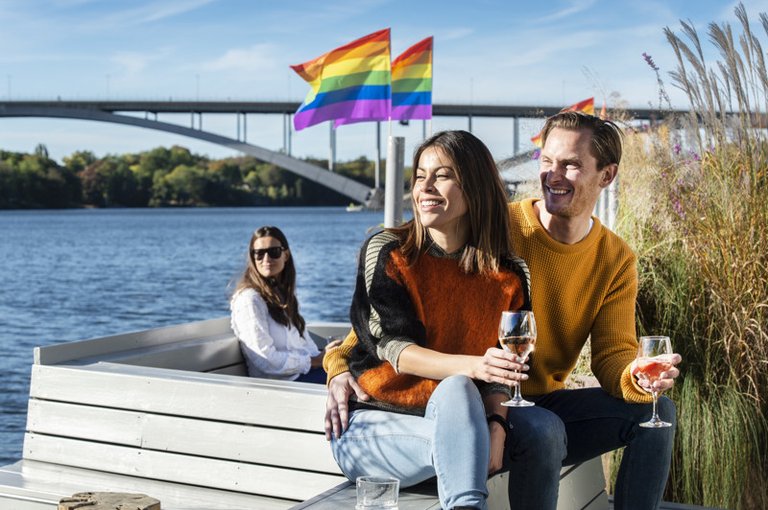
x: 131, y: 63
x: 575, y: 7
x: 455, y: 33
x: 753, y: 8
x: 258, y: 56
x: 168, y: 9
x: 552, y: 47
x: 149, y: 12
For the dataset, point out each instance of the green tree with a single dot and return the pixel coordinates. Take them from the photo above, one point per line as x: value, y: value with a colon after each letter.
x: 78, y: 161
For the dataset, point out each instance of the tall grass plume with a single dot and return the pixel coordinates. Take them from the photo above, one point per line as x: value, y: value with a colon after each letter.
x: 694, y: 207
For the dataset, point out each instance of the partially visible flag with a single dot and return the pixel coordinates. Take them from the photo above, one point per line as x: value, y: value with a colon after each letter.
x: 349, y: 84
x: 603, y: 112
x: 412, y: 82
x: 587, y: 106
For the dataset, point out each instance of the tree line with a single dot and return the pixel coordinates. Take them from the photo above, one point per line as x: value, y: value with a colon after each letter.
x: 161, y: 177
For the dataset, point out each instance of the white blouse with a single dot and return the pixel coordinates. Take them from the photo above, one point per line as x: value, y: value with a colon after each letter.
x: 270, y: 349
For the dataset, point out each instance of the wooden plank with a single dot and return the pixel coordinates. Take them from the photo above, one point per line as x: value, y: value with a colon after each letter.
x: 200, y: 355
x: 214, y: 439
x: 599, y: 503
x: 281, y: 404
x: 177, y: 468
x: 44, y: 484
x: 327, y: 329
x: 60, y: 353
x: 583, y: 486
x: 85, y: 422
x: 238, y: 369
x: 498, y: 492
x: 104, y: 346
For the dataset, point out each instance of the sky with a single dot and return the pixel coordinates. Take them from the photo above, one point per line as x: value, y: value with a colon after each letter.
x: 504, y: 52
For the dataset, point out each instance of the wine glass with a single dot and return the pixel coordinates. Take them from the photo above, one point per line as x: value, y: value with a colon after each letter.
x: 654, y: 355
x: 517, y: 334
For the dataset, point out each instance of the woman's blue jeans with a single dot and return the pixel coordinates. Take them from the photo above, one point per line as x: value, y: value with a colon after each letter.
x: 571, y: 426
x: 451, y: 442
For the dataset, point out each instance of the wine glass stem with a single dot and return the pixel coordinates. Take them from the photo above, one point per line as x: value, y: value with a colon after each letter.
x: 517, y: 388
x: 655, y: 416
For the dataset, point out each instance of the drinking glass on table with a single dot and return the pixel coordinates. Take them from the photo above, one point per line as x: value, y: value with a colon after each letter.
x: 654, y: 356
x: 517, y: 334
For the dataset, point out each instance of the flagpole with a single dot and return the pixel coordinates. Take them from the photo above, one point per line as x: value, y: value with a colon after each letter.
x: 332, y: 155
x: 394, y: 188
x: 377, y: 164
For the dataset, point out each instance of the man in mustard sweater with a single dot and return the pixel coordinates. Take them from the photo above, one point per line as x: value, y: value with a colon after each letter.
x: 583, y: 286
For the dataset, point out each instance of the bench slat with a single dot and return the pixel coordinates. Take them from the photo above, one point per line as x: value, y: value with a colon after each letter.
x: 195, y: 355
x: 103, y: 347
x: 172, y: 467
x: 213, y: 439
x: 281, y: 404
x: 237, y: 369
x: 583, y: 486
x: 44, y: 484
x: 64, y: 352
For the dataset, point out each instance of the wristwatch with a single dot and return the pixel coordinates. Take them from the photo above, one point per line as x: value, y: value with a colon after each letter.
x: 500, y: 420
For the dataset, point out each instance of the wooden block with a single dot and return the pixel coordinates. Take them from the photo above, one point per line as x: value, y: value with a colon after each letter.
x: 109, y: 501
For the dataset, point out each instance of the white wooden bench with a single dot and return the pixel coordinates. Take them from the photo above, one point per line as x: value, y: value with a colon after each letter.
x: 167, y: 412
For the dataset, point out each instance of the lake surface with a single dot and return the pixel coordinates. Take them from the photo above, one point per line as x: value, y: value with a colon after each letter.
x: 77, y: 274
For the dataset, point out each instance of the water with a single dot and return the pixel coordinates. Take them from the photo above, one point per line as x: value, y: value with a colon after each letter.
x: 77, y: 274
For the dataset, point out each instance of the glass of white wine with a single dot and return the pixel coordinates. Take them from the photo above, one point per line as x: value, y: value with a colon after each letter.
x: 517, y: 334
x: 654, y: 355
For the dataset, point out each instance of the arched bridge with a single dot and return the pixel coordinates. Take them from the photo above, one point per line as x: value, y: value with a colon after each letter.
x: 348, y: 187
x: 106, y: 111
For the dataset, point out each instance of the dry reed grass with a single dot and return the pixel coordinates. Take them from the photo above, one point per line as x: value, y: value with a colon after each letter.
x: 694, y: 207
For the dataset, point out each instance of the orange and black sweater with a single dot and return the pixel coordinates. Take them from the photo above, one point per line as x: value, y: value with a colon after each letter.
x: 432, y: 303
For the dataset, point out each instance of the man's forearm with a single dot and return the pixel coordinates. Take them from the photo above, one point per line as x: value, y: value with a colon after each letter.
x: 336, y: 361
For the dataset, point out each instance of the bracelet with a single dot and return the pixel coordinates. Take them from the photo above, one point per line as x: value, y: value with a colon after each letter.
x: 500, y: 420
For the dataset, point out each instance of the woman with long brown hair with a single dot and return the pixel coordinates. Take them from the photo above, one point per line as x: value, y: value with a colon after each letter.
x: 265, y: 314
x: 425, y: 312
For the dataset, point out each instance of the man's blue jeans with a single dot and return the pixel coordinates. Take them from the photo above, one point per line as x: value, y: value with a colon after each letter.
x: 571, y: 426
x: 451, y: 442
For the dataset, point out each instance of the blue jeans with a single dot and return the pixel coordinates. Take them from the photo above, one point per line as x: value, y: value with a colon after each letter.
x: 450, y: 441
x: 571, y: 426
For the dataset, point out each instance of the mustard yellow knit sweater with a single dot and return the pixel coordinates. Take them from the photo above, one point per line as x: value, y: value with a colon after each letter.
x: 577, y: 290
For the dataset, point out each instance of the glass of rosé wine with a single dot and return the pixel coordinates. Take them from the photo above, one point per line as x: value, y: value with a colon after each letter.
x: 654, y: 356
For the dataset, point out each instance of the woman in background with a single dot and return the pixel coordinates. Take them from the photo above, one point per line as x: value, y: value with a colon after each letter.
x: 265, y: 314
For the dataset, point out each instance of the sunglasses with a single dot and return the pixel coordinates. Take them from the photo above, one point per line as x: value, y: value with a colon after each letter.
x: 273, y: 252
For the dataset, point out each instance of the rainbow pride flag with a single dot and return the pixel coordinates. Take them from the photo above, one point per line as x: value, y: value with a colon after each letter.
x: 349, y: 84
x: 587, y: 106
x: 412, y: 82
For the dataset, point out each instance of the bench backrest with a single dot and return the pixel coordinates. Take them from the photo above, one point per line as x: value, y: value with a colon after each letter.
x: 163, y: 409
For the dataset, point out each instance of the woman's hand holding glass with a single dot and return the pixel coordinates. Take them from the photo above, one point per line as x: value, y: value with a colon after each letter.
x: 499, y: 366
